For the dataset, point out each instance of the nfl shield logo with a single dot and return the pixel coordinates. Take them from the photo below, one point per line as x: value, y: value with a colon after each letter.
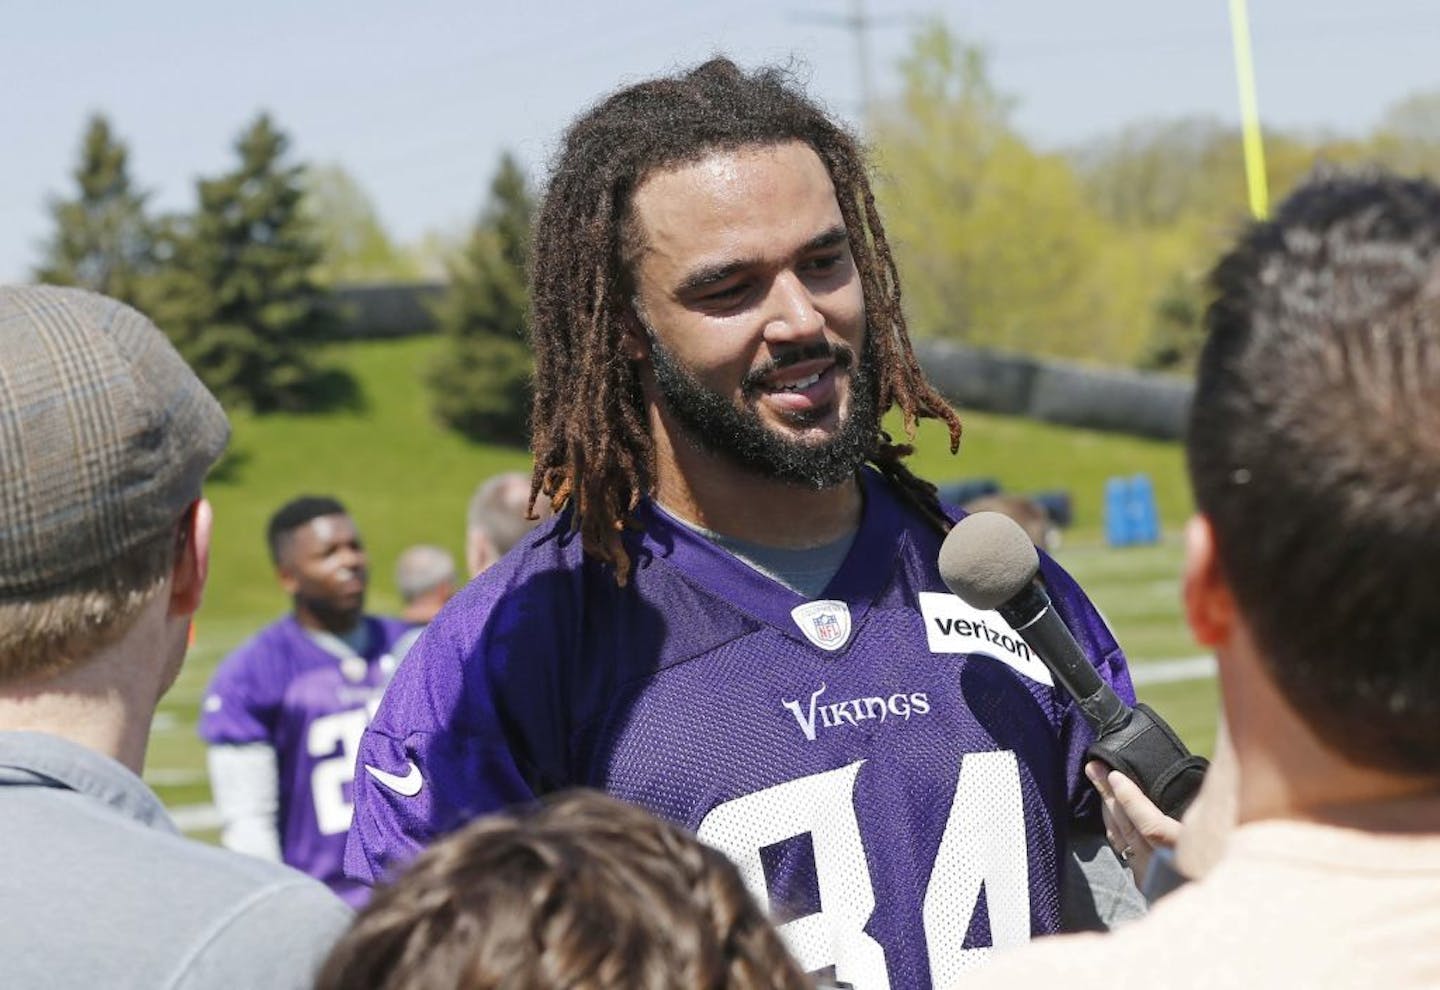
x: 825, y: 623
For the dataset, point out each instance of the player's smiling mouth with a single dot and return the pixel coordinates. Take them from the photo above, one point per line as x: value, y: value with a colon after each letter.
x: 802, y: 388
x: 808, y: 374
x: 805, y: 382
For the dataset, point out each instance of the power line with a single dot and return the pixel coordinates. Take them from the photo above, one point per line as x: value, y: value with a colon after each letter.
x: 859, y: 24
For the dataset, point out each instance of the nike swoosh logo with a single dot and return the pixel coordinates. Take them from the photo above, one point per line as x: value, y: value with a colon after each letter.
x: 406, y: 786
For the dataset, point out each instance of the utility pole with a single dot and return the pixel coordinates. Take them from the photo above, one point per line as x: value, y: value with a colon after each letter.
x: 858, y: 22
x: 859, y: 26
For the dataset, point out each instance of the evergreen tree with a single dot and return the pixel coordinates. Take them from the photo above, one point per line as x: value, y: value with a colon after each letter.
x: 239, y: 295
x: 480, y: 383
x: 102, y: 240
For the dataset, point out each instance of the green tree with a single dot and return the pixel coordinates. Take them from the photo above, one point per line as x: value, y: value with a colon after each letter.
x: 997, y: 241
x: 480, y: 383
x: 1176, y: 330
x: 102, y: 239
x: 1408, y: 137
x: 1154, y: 173
x: 357, y: 248
x: 239, y: 295
x: 1173, y: 194
x: 1165, y: 173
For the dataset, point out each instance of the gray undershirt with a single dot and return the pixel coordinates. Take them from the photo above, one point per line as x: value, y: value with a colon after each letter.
x: 805, y: 571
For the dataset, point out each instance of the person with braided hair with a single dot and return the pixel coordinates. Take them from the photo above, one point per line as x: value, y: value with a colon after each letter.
x: 736, y: 620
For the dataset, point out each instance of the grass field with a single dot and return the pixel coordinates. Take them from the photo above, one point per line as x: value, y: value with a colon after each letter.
x: 407, y: 481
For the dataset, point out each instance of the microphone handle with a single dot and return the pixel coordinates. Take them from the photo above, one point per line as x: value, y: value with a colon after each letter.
x: 1136, y: 741
x: 1148, y: 751
x: 1030, y: 614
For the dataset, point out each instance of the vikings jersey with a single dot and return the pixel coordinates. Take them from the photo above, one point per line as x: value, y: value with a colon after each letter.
x: 892, y: 771
x: 284, y: 689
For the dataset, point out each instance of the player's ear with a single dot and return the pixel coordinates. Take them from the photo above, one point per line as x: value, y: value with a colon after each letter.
x: 192, y: 559
x: 1209, y: 605
x: 635, y: 342
x: 479, y: 551
x: 286, y: 576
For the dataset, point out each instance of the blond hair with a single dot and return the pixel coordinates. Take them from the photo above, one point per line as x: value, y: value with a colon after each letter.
x: 45, y: 634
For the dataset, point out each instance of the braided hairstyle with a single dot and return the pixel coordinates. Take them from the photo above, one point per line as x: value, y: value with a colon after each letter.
x: 592, y: 442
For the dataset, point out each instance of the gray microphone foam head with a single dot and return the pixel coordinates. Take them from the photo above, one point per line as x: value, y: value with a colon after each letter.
x: 987, y: 559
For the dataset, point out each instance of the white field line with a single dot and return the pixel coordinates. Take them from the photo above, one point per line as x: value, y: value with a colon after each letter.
x: 1170, y: 671
x: 196, y: 817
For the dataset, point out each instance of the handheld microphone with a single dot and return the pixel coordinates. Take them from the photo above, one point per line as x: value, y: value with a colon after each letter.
x: 989, y: 563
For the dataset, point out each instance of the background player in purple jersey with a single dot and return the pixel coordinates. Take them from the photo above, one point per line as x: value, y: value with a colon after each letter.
x: 284, y: 712
x: 738, y: 621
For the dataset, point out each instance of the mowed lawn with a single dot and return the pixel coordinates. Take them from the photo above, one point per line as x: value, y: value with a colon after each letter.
x: 407, y: 481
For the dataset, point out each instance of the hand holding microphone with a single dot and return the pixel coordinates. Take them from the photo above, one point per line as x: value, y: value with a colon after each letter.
x: 989, y: 563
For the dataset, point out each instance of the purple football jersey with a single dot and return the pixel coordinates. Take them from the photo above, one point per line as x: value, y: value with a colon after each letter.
x: 892, y: 771
x: 284, y: 689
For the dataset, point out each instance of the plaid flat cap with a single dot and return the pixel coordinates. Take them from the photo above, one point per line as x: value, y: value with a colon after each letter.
x: 105, y: 435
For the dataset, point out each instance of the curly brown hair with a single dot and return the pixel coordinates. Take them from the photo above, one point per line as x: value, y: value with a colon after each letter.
x: 593, y: 448
x: 582, y: 892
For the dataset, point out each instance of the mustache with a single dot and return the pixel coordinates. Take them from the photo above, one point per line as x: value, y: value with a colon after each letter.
x: 841, y: 353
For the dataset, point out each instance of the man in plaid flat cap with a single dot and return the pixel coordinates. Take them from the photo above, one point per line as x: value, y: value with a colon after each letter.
x: 105, y: 438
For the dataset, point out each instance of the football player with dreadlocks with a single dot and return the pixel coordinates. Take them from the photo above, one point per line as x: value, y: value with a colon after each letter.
x: 737, y: 619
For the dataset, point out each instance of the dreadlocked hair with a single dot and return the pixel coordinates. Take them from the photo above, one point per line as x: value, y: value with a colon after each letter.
x: 593, y: 448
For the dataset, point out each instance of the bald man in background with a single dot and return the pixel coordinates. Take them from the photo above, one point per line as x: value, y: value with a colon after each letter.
x: 497, y: 519
x: 425, y: 577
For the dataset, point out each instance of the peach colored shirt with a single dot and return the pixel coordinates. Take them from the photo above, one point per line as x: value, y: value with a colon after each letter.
x: 1291, y: 904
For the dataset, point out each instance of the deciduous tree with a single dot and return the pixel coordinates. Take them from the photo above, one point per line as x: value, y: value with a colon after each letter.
x: 997, y: 242
x: 357, y: 248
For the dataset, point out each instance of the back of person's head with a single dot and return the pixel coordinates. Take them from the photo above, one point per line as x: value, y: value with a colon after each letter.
x: 296, y: 513
x: 1314, y: 452
x: 105, y: 438
x: 498, y: 518
x: 422, y: 569
x: 584, y: 891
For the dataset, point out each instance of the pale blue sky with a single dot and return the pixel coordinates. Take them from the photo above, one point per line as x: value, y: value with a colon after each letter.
x: 417, y: 99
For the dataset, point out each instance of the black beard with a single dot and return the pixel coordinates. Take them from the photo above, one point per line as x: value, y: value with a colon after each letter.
x: 334, y: 618
x: 716, y: 424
